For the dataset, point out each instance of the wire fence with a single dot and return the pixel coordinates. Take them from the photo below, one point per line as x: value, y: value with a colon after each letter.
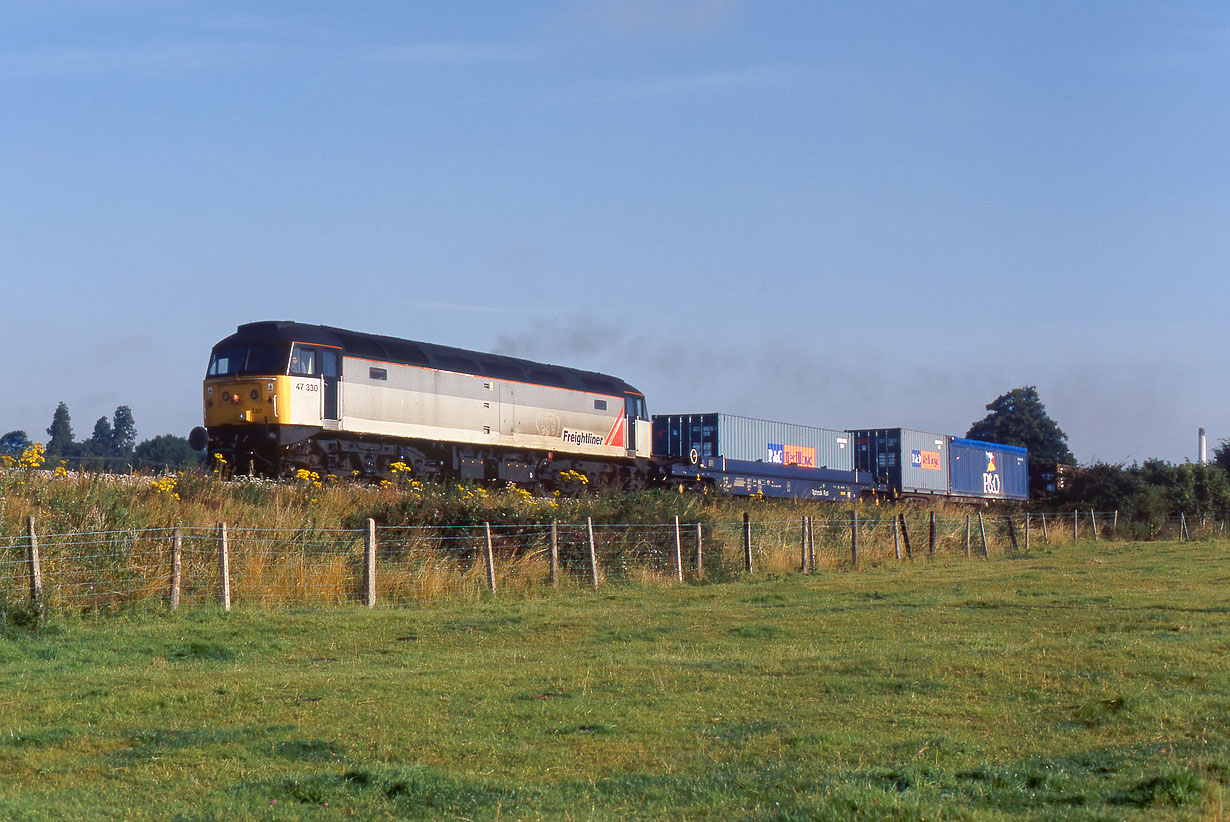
x: 110, y: 571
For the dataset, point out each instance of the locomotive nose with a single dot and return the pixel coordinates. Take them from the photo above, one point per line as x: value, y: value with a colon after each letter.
x: 198, y: 438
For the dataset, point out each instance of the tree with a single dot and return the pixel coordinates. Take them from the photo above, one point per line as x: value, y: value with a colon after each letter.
x: 13, y: 443
x: 1019, y: 418
x: 61, y: 432
x: 99, y: 444
x: 123, y: 433
x: 1221, y: 455
x: 167, y: 451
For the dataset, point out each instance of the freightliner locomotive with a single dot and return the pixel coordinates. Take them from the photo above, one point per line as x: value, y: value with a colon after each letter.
x: 284, y: 396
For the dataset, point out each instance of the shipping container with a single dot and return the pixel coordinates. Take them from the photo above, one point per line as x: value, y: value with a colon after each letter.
x: 907, y: 461
x: 696, y: 437
x: 987, y: 470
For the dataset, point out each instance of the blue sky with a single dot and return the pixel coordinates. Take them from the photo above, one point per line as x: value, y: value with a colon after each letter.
x: 835, y: 214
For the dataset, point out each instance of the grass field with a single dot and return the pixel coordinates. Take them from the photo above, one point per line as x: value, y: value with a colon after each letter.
x: 1081, y: 682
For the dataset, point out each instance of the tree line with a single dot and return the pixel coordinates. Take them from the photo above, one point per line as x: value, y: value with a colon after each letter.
x: 112, y: 446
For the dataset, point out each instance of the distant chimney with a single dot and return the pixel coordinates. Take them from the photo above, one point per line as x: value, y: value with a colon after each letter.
x: 1204, y: 448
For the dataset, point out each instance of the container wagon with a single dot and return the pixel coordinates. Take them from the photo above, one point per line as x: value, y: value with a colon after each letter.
x: 746, y: 456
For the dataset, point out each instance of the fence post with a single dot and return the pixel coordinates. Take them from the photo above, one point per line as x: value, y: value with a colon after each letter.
x: 593, y: 553
x: 1114, y: 526
x: 811, y: 542
x: 905, y: 537
x: 1045, y: 536
x: 700, y: 561
x: 931, y: 538
x: 177, y: 564
x: 803, y: 545
x: 224, y: 568
x: 554, y: 555
x: 896, y: 540
x: 489, y: 556
x: 968, y: 553
x: 1027, y: 533
x: 982, y: 528
x: 1093, y: 522
x: 747, y: 542
x: 1182, y: 527
x: 36, y: 569
x: 1016, y: 548
x: 1076, y: 525
x: 854, y: 537
x: 678, y: 552
x: 369, y: 562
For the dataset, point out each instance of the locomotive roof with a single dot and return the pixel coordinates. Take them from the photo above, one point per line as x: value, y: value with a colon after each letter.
x: 430, y: 355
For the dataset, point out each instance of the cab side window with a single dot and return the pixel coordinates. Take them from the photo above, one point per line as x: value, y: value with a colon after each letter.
x: 303, y: 361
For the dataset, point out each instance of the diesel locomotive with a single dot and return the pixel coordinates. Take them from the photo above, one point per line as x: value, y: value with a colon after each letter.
x: 283, y: 396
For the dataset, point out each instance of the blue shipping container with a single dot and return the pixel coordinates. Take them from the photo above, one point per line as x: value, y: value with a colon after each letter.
x: 987, y: 470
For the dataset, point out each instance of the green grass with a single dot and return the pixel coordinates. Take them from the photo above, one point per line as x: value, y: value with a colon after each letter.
x: 1085, y: 682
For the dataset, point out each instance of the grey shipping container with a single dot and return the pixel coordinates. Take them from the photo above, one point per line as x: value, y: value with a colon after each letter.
x: 987, y: 470
x: 750, y: 439
x: 911, y: 462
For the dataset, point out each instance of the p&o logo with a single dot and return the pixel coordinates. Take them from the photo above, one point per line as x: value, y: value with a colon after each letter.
x: 991, y: 483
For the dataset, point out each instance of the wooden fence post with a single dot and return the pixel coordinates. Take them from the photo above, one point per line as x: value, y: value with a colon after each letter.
x: 811, y: 543
x: 1045, y: 536
x: 554, y: 556
x: 1016, y: 548
x: 489, y: 555
x: 854, y: 537
x: 678, y: 552
x: 36, y: 569
x: 931, y: 538
x: 905, y: 537
x: 1027, y: 533
x: 1114, y: 526
x: 369, y: 562
x: 747, y: 542
x: 968, y: 553
x: 803, y: 545
x: 1093, y: 522
x: 982, y: 528
x: 1076, y: 525
x: 177, y: 561
x: 593, y: 552
x: 896, y: 540
x: 700, y: 560
x: 224, y: 568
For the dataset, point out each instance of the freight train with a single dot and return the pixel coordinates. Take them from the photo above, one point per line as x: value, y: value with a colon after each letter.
x: 280, y: 397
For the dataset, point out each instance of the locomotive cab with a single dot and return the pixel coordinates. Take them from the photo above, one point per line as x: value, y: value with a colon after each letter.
x: 264, y: 390
x: 639, y: 428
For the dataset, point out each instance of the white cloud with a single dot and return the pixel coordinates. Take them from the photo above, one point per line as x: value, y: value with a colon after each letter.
x: 94, y: 60
x: 713, y: 82
x: 440, y: 54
